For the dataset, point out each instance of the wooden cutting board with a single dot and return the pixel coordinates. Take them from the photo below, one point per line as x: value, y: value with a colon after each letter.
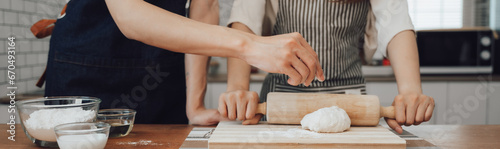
x: 232, y: 134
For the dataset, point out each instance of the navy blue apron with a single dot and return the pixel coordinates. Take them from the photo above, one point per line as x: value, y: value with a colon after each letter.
x: 89, y: 56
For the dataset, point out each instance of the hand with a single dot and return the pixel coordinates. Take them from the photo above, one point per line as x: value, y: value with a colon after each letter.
x: 288, y: 54
x: 239, y: 104
x: 411, y: 109
x: 205, y: 117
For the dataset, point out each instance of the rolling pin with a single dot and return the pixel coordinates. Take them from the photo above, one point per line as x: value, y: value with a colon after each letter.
x: 290, y: 108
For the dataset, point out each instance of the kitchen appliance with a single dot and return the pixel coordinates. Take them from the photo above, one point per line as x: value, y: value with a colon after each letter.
x: 232, y: 134
x: 457, y: 51
x: 290, y: 108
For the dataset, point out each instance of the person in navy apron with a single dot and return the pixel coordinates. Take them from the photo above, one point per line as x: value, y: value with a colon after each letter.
x: 110, y: 49
x: 91, y: 57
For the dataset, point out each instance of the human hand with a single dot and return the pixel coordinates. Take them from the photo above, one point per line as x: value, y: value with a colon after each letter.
x: 206, y: 117
x: 240, y: 105
x: 288, y: 54
x: 411, y: 109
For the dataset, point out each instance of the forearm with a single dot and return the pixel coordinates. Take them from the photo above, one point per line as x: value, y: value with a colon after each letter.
x: 238, y: 77
x: 158, y: 27
x: 403, y: 54
x: 196, y: 82
x: 206, y: 11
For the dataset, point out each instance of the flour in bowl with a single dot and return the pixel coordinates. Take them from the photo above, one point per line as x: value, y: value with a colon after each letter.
x: 41, y: 123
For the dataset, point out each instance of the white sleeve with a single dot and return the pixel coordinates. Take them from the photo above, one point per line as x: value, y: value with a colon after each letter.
x: 391, y: 17
x: 249, y: 12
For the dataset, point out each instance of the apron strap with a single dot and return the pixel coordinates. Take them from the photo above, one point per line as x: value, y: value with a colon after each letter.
x: 42, y: 29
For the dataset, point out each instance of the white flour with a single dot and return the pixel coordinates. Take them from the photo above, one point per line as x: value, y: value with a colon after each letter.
x: 293, y: 133
x: 85, y: 141
x: 42, y: 122
x: 140, y: 142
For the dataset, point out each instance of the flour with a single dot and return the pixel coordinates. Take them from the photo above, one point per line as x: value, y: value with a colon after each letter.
x: 140, y: 142
x: 85, y: 141
x: 292, y: 133
x: 330, y: 119
x: 41, y: 123
x: 301, y: 133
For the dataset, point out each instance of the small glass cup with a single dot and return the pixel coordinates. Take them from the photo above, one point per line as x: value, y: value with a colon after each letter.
x: 121, y: 121
x: 82, y: 135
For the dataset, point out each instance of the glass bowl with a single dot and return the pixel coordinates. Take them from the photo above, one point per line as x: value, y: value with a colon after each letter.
x: 121, y: 121
x: 40, y: 116
x: 82, y: 135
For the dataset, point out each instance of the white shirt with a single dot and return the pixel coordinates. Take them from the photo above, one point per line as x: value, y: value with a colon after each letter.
x: 385, y: 19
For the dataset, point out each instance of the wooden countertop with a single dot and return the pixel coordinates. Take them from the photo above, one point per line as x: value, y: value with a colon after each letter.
x: 173, y: 136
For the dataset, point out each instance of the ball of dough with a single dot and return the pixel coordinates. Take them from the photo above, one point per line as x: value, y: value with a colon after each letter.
x: 330, y: 119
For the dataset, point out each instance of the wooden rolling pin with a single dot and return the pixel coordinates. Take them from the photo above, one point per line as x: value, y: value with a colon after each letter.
x: 290, y: 108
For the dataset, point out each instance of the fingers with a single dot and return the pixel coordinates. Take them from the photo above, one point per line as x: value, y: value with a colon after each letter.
x: 430, y: 108
x: 308, y: 60
x: 231, y: 108
x: 239, y: 105
x: 222, y: 106
x: 295, y: 77
x: 303, y: 70
x: 400, y: 109
x: 241, y: 108
x: 316, y: 68
x: 252, y: 105
x: 319, y: 73
x: 253, y: 121
x: 394, y: 125
x: 411, y: 110
x: 422, y: 107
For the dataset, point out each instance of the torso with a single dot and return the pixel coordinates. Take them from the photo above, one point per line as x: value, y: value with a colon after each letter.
x: 335, y: 31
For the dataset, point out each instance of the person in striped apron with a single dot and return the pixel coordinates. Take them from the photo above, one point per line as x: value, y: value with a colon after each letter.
x: 339, y: 31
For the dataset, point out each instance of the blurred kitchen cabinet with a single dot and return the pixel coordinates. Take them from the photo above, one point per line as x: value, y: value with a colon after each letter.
x: 256, y: 86
x: 466, y: 104
x: 493, y: 115
x: 386, y: 91
x: 438, y: 91
x: 214, y: 89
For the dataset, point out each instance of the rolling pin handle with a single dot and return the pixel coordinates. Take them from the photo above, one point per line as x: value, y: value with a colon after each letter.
x: 261, y: 108
x: 387, y: 112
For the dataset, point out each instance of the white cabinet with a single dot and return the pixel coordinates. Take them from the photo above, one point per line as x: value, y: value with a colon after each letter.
x: 438, y: 91
x: 466, y: 104
x: 213, y: 92
x: 386, y: 91
x: 493, y: 113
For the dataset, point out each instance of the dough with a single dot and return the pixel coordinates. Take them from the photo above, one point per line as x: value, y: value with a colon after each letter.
x: 330, y: 119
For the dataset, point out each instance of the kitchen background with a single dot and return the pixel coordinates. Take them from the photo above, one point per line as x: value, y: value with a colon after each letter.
x: 461, y: 98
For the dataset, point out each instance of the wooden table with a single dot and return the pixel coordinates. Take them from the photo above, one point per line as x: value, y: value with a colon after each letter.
x: 173, y: 136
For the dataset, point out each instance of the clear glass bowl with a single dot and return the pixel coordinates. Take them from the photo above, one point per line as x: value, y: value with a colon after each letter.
x: 121, y: 121
x: 40, y: 116
x: 82, y: 135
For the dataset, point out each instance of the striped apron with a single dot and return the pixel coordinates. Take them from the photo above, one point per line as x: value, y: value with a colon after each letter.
x: 335, y: 30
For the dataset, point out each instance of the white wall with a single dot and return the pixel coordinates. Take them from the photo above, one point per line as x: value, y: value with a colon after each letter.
x: 16, y: 18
